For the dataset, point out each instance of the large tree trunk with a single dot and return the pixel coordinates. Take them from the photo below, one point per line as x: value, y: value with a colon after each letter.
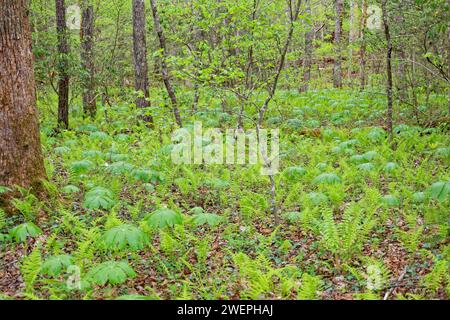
x: 448, y: 57
x: 21, y: 161
x: 337, y: 71
x: 63, y: 65
x: 388, y: 67
x: 307, y: 60
x: 87, y: 58
x: 164, y: 67
x: 140, y: 57
x: 362, y: 49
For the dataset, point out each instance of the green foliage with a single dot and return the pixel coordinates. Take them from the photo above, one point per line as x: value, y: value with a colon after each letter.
x: 30, y: 269
x: 54, y: 265
x: 125, y: 236
x: 327, y: 178
x: 162, y: 218
x: 99, y: 198
x: 440, y: 191
x: 112, y: 272
x: 309, y: 288
x: 201, y: 218
x: 24, y: 231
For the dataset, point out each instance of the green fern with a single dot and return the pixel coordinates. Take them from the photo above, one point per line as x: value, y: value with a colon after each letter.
x: 30, y: 269
x: 309, y: 288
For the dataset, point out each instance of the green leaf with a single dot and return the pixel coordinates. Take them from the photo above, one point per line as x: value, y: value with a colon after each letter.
x: 112, y: 272
x: 24, y: 230
x: 82, y: 166
x: 70, y: 189
x: 366, y: 166
x: 162, y: 218
x: 55, y: 264
x: 98, y: 198
x: 125, y: 235
x: 390, y: 200
x: 390, y: 166
x: 210, y: 219
x: 294, y: 173
x: 419, y: 197
x: 327, y: 178
x: 439, y: 190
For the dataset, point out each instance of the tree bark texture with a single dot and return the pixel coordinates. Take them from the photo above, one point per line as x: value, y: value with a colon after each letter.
x: 141, y: 82
x: 63, y: 65
x: 21, y: 161
x: 87, y: 58
x: 337, y: 71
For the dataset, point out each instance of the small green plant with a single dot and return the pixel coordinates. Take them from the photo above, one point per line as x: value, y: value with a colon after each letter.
x: 162, y: 218
x: 24, y: 231
x: 124, y: 236
x: 54, y: 265
x: 112, y: 272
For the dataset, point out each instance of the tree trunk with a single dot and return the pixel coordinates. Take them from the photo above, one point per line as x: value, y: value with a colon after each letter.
x: 362, y: 50
x: 337, y: 71
x: 21, y: 161
x: 448, y: 57
x: 388, y: 67
x: 307, y: 60
x: 63, y: 65
x: 87, y: 58
x: 164, y: 67
x: 352, y: 35
x: 141, y: 82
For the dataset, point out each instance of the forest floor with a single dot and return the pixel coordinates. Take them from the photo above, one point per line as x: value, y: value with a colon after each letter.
x: 359, y: 219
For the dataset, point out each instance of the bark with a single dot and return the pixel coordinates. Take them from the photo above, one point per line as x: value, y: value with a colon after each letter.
x: 87, y: 58
x: 294, y: 12
x: 164, y: 67
x: 141, y: 82
x: 337, y: 71
x: 362, y: 50
x: 401, y: 69
x: 307, y: 60
x: 388, y: 67
x: 63, y: 65
x: 21, y: 161
x: 352, y: 35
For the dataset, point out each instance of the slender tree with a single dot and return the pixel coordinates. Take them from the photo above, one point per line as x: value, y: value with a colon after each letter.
x: 362, y: 48
x: 63, y: 65
x: 337, y: 71
x: 164, y: 68
x: 388, y: 66
x: 21, y: 161
x: 307, y: 60
x: 141, y: 82
x: 87, y: 58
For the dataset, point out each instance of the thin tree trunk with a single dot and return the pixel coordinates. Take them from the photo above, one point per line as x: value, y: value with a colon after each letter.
x: 352, y: 35
x: 293, y: 18
x: 21, y: 161
x: 401, y: 69
x: 362, y: 50
x: 388, y: 67
x: 87, y: 58
x: 164, y: 67
x: 63, y: 65
x: 307, y: 60
x: 337, y: 71
x: 141, y: 82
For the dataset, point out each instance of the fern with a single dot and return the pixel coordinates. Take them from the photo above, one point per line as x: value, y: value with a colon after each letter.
x: 30, y: 269
x: 309, y: 288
